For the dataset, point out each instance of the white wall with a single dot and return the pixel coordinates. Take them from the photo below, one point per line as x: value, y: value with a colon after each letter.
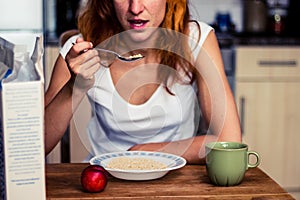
x: 205, y: 10
x: 21, y: 15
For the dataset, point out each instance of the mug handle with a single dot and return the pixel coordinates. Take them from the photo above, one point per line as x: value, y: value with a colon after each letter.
x: 250, y: 165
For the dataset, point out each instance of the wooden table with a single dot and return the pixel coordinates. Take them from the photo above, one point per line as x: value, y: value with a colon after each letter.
x: 189, y: 182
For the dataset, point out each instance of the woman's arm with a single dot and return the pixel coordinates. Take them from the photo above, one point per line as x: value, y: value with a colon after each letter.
x: 217, y: 106
x: 68, y: 86
x: 216, y: 99
x: 56, y: 91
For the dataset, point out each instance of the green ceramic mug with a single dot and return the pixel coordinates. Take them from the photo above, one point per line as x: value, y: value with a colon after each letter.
x: 227, y: 162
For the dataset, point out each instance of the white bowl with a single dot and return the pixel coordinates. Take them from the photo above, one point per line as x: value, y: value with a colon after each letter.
x: 171, y: 161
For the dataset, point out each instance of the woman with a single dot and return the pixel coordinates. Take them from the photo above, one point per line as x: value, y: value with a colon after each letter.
x: 151, y: 104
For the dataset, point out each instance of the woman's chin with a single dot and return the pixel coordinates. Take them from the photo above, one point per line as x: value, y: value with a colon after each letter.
x: 141, y: 36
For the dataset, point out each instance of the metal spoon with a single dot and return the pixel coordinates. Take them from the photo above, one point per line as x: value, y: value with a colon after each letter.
x: 122, y: 58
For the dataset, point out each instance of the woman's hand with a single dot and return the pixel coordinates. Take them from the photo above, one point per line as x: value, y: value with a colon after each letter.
x: 83, y: 62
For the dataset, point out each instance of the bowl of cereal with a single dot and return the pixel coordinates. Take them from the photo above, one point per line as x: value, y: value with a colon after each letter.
x: 138, y: 165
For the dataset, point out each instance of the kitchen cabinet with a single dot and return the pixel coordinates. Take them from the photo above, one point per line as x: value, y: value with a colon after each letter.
x: 268, y: 96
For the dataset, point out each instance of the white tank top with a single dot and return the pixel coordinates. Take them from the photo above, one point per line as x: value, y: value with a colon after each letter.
x: 117, y: 125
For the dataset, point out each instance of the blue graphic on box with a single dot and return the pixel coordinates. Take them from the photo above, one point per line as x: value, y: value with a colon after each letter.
x: 2, y: 172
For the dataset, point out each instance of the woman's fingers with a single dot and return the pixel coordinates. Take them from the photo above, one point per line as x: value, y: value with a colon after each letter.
x: 89, y: 68
x: 83, y: 62
x: 85, y: 65
x: 82, y: 47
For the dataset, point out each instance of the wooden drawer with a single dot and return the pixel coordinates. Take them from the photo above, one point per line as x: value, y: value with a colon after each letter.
x: 271, y: 62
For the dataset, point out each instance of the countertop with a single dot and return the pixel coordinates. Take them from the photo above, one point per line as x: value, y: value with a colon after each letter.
x: 234, y: 39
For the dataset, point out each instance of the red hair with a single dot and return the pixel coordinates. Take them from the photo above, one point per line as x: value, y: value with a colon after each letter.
x: 98, y: 22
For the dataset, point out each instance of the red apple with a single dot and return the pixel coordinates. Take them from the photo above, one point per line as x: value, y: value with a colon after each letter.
x: 97, y: 167
x: 94, y: 178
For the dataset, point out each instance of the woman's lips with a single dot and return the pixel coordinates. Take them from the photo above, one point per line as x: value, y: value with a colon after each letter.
x: 137, y: 24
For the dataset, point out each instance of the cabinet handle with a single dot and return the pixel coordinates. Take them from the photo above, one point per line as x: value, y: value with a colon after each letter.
x: 242, y: 114
x: 278, y: 63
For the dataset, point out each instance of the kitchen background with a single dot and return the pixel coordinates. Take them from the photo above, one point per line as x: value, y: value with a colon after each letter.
x: 260, y: 45
x: 43, y: 14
